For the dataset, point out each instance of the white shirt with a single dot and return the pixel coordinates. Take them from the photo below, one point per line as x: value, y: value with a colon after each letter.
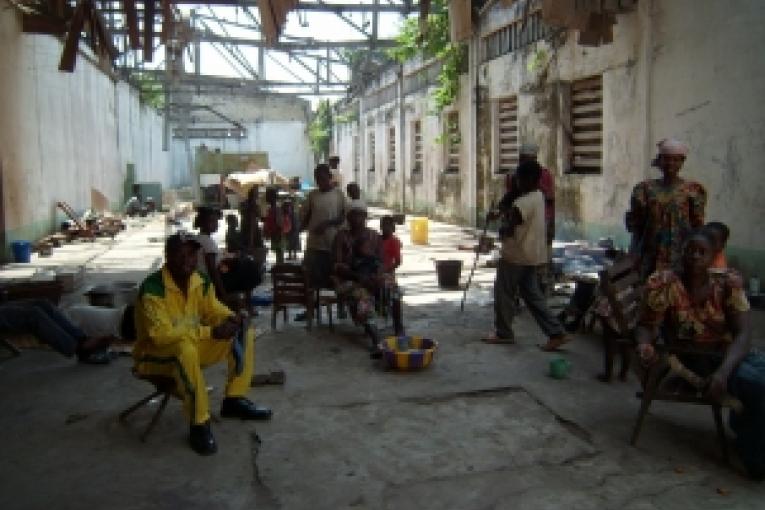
x: 528, y: 245
x: 208, y: 246
x: 96, y: 321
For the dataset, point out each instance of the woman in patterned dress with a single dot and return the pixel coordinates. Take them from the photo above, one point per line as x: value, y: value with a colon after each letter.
x: 663, y: 211
x: 709, y: 311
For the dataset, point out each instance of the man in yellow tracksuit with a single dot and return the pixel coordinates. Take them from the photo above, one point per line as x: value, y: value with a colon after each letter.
x: 181, y: 328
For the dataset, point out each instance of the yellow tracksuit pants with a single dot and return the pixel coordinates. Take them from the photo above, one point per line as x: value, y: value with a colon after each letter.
x: 184, y: 361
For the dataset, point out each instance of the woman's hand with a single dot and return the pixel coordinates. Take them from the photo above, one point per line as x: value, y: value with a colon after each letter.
x: 647, y: 353
x: 718, y: 386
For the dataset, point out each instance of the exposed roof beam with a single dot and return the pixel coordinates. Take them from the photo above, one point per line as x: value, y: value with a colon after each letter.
x: 310, y: 6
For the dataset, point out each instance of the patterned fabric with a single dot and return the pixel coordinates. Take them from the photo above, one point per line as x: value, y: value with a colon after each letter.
x: 667, y: 303
x: 663, y: 218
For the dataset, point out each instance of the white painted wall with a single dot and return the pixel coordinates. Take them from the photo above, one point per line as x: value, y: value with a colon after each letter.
x: 707, y: 87
x: 62, y: 134
x: 285, y: 141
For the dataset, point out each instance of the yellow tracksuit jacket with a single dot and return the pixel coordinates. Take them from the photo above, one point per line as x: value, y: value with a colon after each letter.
x: 174, y: 339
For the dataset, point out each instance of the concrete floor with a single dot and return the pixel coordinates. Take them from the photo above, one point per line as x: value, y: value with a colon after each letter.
x: 483, y: 427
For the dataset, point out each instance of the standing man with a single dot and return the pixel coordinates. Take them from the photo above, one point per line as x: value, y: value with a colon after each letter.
x: 524, y: 249
x: 337, y: 175
x: 322, y: 215
x: 182, y: 328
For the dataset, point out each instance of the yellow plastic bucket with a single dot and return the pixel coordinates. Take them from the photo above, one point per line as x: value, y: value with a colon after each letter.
x: 419, y: 231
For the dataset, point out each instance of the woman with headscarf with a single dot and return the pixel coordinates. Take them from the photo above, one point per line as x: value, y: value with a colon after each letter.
x: 663, y: 211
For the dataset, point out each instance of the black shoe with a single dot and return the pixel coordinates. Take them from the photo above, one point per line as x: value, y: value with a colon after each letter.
x: 375, y: 352
x: 97, y: 357
x: 202, y: 440
x: 240, y: 407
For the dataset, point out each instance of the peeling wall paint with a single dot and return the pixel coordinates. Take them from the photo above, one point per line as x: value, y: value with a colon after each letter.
x: 699, y: 78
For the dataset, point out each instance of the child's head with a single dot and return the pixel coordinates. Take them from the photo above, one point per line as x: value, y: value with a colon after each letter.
x: 207, y: 219
x: 362, y: 247
x: 387, y: 226
x: 353, y: 190
x: 232, y: 221
x: 718, y: 234
x: 271, y: 195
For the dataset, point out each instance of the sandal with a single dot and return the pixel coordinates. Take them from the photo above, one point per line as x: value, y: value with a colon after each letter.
x: 555, y: 342
x: 495, y: 339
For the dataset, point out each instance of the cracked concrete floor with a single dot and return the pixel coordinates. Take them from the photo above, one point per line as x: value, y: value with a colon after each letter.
x: 483, y: 427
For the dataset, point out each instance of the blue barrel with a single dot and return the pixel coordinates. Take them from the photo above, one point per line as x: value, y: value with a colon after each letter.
x: 22, y: 251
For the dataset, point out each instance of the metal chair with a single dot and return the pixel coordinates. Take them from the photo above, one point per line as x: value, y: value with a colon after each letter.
x: 164, y: 387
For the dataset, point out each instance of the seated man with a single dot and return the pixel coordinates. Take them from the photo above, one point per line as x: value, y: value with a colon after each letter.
x: 182, y: 328
x: 709, y: 311
x: 354, y: 283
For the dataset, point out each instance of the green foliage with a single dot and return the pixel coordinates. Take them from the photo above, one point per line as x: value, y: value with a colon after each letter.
x: 150, y: 90
x: 433, y: 43
x: 348, y: 117
x: 320, y: 130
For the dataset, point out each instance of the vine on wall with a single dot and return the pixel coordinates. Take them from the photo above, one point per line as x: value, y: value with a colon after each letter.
x: 433, y: 43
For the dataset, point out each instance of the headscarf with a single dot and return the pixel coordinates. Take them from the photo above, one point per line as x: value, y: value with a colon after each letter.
x: 672, y: 147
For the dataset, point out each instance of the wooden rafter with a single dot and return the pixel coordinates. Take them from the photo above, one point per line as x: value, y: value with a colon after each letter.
x: 131, y: 18
x: 149, y: 11
x: 72, y: 41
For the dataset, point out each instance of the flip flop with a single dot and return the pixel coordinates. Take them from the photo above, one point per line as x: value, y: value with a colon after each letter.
x: 554, y: 343
x: 494, y: 339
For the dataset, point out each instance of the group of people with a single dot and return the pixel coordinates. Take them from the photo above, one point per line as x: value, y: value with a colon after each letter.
x: 690, y: 296
x: 182, y: 319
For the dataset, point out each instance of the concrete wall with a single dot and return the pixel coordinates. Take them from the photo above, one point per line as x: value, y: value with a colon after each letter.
x: 62, y: 134
x: 691, y: 69
x: 276, y: 125
x: 706, y: 87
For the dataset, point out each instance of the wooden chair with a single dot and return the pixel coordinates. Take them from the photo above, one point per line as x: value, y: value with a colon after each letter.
x: 326, y: 301
x: 652, y: 390
x: 290, y: 287
x: 621, y: 286
x: 163, y: 387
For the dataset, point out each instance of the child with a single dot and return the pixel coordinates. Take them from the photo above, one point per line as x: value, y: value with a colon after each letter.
x: 233, y: 236
x: 391, y: 245
x: 364, y: 263
x: 276, y: 225
x: 718, y: 234
x: 293, y: 238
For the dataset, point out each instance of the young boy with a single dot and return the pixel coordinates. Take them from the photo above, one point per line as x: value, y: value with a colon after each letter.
x: 276, y: 225
x: 391, y: 245
x: 718, y: 234
x: 524, y: 249
x: 293, y: 237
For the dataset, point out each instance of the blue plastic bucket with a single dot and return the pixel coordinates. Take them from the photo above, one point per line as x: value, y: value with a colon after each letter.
x: 22, y: 251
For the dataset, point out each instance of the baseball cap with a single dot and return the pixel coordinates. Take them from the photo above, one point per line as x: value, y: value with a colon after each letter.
x: 180, y: 238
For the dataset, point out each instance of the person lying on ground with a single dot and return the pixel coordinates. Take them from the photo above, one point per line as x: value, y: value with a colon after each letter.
x: 709, y: 311
x: 84, y: 330
x: 357, y: 288
x: 718, y: 233
x: 182, y: 328
x: 524, y: 249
